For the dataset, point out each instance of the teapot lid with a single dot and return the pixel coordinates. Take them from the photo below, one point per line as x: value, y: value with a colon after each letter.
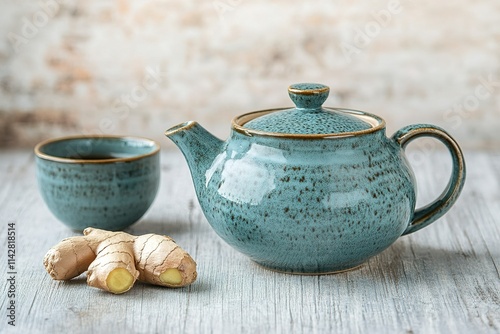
x: 308, y: 117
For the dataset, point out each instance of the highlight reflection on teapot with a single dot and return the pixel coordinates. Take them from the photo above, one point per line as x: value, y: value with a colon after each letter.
x: 311, y: 189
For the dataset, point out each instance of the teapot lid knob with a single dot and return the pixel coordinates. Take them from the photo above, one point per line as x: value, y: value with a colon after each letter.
x: 308, y: 95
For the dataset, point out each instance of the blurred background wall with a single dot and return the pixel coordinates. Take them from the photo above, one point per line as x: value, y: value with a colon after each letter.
x: 139, y: 67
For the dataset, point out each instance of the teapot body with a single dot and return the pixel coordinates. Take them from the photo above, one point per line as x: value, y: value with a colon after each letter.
x: 308, y: 205
x: 311, y: 189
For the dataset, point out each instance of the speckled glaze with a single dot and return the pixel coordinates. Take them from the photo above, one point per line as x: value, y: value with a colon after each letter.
x: 311, y: 203
x: 109, y: 193
x: 308, y: 117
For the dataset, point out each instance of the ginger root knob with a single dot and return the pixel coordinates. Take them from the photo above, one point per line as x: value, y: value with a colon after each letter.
x: 115, y: 260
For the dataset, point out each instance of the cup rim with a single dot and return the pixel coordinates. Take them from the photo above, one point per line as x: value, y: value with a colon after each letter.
x: 49, y: 157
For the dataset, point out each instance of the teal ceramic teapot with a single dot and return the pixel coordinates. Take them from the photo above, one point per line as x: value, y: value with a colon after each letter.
x: 311, y: 189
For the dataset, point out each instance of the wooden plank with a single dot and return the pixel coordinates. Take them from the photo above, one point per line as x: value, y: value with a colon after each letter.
x: 443, y: 279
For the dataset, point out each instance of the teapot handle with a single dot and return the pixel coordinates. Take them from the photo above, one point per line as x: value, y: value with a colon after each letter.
x: 431, y: 212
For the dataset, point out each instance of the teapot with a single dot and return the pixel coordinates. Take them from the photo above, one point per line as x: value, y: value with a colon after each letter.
x: 310, y: 189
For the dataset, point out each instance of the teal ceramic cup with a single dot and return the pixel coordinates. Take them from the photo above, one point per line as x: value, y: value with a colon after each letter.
x: 107, y: 182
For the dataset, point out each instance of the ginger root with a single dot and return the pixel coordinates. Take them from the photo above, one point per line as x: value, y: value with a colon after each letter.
x: 115, y: 260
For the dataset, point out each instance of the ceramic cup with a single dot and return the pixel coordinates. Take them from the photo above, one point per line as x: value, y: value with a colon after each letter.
x: 107, y: 182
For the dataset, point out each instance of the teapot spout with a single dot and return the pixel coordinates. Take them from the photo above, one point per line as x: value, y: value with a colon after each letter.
x: 200, y: 147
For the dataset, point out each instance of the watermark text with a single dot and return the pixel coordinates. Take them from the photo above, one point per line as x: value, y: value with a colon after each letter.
x: 11, y: 273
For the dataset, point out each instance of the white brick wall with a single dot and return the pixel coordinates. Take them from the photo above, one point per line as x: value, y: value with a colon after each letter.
x: 88, y: 66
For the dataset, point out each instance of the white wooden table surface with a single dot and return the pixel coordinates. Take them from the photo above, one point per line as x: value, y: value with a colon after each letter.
x: 442, y: 279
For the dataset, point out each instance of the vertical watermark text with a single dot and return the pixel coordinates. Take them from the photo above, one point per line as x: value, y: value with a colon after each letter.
x: 11, y: 273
